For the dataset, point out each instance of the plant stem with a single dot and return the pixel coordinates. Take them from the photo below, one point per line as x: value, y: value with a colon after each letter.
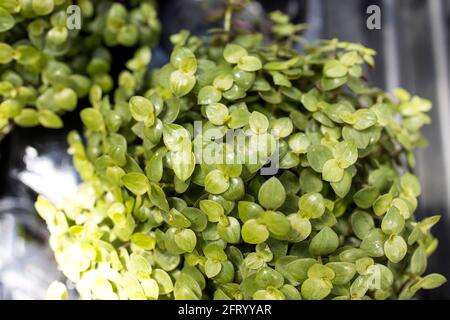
x: 227, y: 19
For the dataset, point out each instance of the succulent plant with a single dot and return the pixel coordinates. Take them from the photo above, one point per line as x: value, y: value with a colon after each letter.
x: 169, y: 209
x: 52, y: 51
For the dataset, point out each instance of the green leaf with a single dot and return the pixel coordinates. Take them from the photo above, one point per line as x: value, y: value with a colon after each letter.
x: 395, y: 248
x: 260, y: 84
x: 130, y: 284
x: 292, y: 93
x: 139, y: 266
x: 142, y: 110
x: 180, y: 83
x: 311, y: 205
x: 249, y: 210
x: 268, y: 277
x: 332, y: 172
x: 233, y: 53
x: 342, y: 187
x: 350, y: 58
x: 334, y: 69
x: 234, y: 93
x: 181, y: 56
x: 299, y: 143
x: 209, y: 95
x: 361, y: 138
x: 258, y: 122
x: 65, y: 99
x: 268, y: 294
x: 364, y: 119
x: 280, y: 79
x: 410, y: 183
x: 151, y: 288
x: 10, y: 108
x: 359, y: 287
x: 154, y: 167
x: 318, y: 270
x: 300, y: 228
x: 216, y: 182
x: 186, y: 288
x: 324, y: 243
x: 183, y: 164
x: 6, y: 53
x: 26, y: 55
x: 373, y: 243
x: 366, y: 197
x: 27, y: 118
x: 45, y: 208
x: 353, y: 254
x: 176, y: 138
x: 143, y: 241
x: 328, y: 84
x: 215, y: 251
x: 387, y: 278
x: 253, y: 232
x: 223, y: 82
x: 236, y: 190
x: 271, y: 96
x: 281, y: 128
x: 242, y: 79
x: 226, y: 274
x: 272, y: 195
x: 343, y: 271
x: 92, y: 119
x: 362, y: 223
x: 136, y: 182
x: 57, y: 291
x: 249, y: 63
x: 229, y: 231
x: 185, y: 239
x: 431, y: 281
x: 315, y: 289
x: 164, y: 281
x: 309, y: 100
x: 157, y: 196
x: 310, y: 181
x: 49, y: 119
x: 238, y: 118
x: 418, y: 263
x: 294, y: 269
x: 393, y: 222
x: 281, y: 65
x: 317, y: 156
x: 212, y: 209
x: 346, y: 153
x: 177, y: 219
x: 382, y: 204
x: 6, y: 20
x: 42, y: 7
x: 402, y: 207
x: 217, y: 113
x: 277, y: 223
x: 197, y: 218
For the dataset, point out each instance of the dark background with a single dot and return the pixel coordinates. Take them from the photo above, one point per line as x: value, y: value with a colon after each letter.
x: 412, y: 45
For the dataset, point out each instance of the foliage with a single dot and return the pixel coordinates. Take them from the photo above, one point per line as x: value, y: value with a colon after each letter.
x: 152, y: 220
x: 46, y: 66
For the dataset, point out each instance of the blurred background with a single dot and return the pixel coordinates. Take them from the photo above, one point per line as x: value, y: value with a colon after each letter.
x: 413, y: 46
